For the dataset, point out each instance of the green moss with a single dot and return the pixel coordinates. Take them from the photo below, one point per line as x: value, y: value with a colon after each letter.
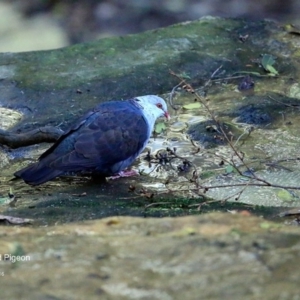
x: 120, y: 56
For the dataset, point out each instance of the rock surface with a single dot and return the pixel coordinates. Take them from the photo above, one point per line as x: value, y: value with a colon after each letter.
x: 212, y: 256
x: 53, y: 87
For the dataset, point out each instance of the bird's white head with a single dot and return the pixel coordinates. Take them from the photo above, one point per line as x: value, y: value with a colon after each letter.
x: 153, y: 107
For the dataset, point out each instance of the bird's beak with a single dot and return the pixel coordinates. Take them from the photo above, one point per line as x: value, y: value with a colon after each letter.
x: 167, y: 116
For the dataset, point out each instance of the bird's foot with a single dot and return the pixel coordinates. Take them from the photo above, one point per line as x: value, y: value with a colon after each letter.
x: 127, y: 173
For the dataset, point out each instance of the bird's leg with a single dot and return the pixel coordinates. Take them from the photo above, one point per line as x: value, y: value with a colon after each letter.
x: 126, y: 173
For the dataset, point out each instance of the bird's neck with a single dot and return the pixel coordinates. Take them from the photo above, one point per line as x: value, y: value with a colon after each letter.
x: 149, y: 115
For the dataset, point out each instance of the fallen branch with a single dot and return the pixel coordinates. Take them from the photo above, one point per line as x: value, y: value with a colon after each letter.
x: 47, y: 134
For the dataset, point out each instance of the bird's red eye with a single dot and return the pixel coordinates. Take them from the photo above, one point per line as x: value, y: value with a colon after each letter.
x: 159, y: 105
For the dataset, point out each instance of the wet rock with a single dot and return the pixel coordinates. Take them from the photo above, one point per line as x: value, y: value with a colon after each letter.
x: 210, y: 134
x: 263, y: 110
x: 250, y: 114
x: 58, y: 85
x: 145, y: 258
x: 9, y: 118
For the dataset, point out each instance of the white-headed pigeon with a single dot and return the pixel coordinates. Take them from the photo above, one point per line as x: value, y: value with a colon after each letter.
x: 104, y: 141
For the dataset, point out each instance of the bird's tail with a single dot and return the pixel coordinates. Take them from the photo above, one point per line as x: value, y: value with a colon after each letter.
x: 37, y: 173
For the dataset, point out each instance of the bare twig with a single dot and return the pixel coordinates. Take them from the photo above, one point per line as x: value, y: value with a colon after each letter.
x: 172, y: 96
x: 254, y: 180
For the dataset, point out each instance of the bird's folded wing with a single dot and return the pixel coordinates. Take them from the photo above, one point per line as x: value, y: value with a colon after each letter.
x: 105, y: 139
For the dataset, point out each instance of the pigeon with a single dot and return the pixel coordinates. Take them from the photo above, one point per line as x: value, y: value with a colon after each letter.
x: 104, y: 141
